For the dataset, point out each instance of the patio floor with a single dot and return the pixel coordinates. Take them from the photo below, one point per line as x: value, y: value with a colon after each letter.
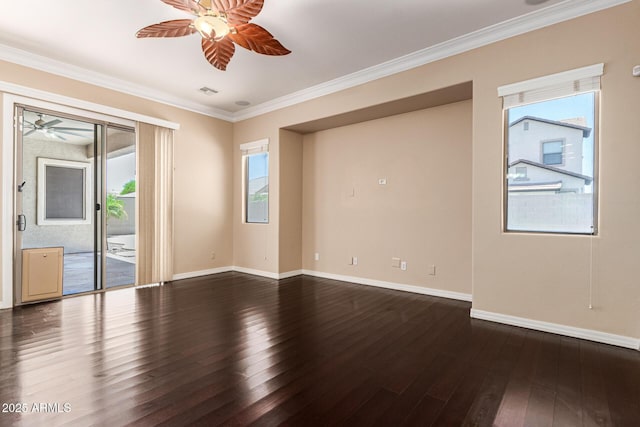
x: 78, y: 273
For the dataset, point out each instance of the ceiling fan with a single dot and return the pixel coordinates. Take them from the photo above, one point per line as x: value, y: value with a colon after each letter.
x: 221, y: 23
x: 49, y: 129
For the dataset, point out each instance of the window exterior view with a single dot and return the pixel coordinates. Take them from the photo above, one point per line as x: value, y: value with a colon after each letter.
x: 551, y: 166
x: 257, y: 188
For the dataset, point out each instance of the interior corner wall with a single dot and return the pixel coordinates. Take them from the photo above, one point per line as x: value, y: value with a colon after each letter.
x: 422, y: 214
x: 203, y: 167
x: 539, y: 277
x: 290, y: 230
x: 256, y: 246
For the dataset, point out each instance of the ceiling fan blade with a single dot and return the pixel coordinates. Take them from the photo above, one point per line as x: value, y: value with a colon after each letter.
x: 55, y: 135
x: 190, y: 6
x: 30, y: 132
x: 257, y: 39
x: 75, y: 129
x: 51, y: 123
x: 239, y: 11
x: 174, y: 28
x: 218, y: 53
x: 57, y: 131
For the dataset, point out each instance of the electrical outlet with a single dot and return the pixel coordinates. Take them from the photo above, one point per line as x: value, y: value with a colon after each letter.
x: 317, y: 256
x: 403, y: 265
x: 382, y: 181
x: 354, y: 260
x: 432, y: 270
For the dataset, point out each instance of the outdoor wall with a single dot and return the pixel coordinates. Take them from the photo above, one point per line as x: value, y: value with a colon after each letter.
x: 527, y: 144
x: 203, y: 167
x: 422, y: 215
x: 74, y: 238
x: 539, y: 277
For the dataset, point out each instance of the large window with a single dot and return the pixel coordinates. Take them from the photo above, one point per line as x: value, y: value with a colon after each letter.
x: 257, y: 188
x: 551, y: 162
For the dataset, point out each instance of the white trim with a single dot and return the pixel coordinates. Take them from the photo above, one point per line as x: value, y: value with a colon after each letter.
x: 253, y: 272
x: 589, y: 71
x: 113, y: 114
x: 290, y: 274
x: 260, y: 145
x: 8, y: 222
x: 555, y: 328
x: 192, y: 274
x: 391, y: 285
x: 563, y: 11
x: 267, y: 274
x: 52, y: 66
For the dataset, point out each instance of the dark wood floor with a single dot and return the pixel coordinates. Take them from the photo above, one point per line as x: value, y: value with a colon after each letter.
x: 235, y: 349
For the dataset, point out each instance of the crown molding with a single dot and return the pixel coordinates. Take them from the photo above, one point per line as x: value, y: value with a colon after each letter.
x: 563, y: 11
x: 59, y: 68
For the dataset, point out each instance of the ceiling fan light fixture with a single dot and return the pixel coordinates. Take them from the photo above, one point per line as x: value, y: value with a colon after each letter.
x: 211, y: 27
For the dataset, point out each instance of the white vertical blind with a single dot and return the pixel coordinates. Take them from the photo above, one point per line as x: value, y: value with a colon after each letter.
x: 155, y: 204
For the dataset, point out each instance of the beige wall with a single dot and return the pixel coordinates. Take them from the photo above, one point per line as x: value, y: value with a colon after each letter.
x: 290, y: 240
x: 255, y: 246
x: 422, y: 215
x: 541, y: 277
x: 203, y: 167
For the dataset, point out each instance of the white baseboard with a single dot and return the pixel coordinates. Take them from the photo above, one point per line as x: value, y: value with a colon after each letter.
x: 351, y: 279
x: 288, y: 274
x: 192, y: 274
x: 391, y: 285
x: 261, y: 273
x: 268, y: 274
x: 570, y: 331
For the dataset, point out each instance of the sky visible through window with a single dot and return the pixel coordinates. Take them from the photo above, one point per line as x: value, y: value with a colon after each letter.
x: 258, y: 165
x: 581, y: 105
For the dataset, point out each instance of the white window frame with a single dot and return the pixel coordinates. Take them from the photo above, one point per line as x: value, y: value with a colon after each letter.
x: 562, y: 151
x: 41, y: 203
x: 547, y: 88
x: 248, y: 149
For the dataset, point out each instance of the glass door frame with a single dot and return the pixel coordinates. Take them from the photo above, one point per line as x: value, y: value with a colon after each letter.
x: 100, y: 194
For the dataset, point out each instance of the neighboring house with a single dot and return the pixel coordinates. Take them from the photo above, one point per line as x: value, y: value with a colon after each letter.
x: 258, y: 185
x: 546, y: 155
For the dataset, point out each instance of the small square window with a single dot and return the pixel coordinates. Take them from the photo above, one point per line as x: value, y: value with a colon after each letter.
x: 521, y: 173
x: 552, y: 153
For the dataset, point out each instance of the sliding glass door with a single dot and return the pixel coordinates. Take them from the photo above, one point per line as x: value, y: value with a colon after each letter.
x: 74, y: 206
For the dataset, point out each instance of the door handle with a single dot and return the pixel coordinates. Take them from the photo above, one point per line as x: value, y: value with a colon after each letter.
x: 22, y: 222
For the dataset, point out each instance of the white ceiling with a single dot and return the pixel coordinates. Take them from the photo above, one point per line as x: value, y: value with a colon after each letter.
x: 329, y: 39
